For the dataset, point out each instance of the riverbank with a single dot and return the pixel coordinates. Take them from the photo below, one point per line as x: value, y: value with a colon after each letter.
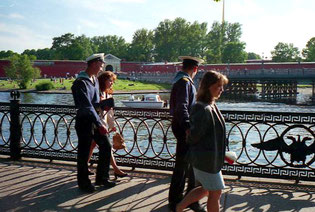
x: 65, y: 85
x: 69, y: 91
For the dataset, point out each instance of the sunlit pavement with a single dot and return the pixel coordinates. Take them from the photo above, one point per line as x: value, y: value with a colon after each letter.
x: 37, y: 185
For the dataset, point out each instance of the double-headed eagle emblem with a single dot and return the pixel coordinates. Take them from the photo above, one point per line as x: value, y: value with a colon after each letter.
x: 298, y: 149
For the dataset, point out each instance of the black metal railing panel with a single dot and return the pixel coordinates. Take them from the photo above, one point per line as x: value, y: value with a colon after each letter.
x: 148, y: 136
x: 5, y: 122
x: 268, y: 144
x: 282, y: 143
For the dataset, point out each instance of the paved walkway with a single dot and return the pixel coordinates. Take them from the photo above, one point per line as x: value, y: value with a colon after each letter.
x: 32, y: 185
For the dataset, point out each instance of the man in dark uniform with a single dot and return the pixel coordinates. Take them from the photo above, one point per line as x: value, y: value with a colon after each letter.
x: 183, y: 96
x: 88, y: 125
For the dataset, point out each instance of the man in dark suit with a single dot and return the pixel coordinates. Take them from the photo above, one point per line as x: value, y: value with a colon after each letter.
x: 183, y: 96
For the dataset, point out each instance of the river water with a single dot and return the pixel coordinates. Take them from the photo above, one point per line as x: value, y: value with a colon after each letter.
x: 301, y: 104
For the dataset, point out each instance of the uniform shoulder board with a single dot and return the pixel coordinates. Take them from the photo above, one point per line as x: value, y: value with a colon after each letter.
x: 185, y: 79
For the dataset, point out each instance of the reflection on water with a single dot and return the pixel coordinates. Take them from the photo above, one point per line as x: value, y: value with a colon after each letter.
x: 250, y: 103
x: 40, y: 98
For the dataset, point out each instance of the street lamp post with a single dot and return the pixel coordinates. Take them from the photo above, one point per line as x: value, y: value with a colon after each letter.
x: 223, y: 12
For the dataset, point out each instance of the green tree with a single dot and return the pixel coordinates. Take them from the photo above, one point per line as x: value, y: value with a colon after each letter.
x: 40, y: 54
x: 112, y: 44
x: 62, y: 41
x: 141, y: 48
x: 284, y: 52
x: 6, y: 54
x: 163, y: 41
x: 178, y: 37
x: 69, y: 47
x: 218, y: 37
x: 80, y: 48
x: 196, y: 39
x: 233, y: 52
x: 21, y: 70
x: 309, y: 51
x: 253, y: 56
x: 213, y: 43
x: 61, y: 46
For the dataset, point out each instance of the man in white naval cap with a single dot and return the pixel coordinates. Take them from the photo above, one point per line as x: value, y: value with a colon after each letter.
x: 183, y: 96
x: 88, y: 125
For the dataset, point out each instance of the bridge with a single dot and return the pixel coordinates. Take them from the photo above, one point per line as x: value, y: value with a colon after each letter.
x: 299, y: 75
x: 273, y: 83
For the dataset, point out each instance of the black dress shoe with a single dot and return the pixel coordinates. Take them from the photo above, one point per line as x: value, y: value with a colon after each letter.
x: 87, y: 188
x: 196, y: 207
x: 105, y: 183
x: 120, y: 175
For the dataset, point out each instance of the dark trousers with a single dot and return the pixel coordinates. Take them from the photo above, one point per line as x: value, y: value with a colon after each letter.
x: 86, y: 134
x: 182, y: 168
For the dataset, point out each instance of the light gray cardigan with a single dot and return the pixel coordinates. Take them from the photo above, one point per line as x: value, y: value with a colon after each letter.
x: 207, y: 138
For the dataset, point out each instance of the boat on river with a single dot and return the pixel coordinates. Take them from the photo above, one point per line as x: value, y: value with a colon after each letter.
x: 147, y: 101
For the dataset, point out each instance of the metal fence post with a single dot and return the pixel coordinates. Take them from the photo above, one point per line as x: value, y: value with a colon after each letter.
x: 15, y: 126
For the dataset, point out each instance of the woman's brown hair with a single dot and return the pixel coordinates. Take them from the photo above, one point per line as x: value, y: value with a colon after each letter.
x: 209, y: 78
x: 106, y: 75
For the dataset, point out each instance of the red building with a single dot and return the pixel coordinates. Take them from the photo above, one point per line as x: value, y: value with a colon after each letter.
x: 63, y: 68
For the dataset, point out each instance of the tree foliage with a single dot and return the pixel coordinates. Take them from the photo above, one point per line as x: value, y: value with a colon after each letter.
x: 224, y: 37
x: 285, y: 52
x: 112, y: 44
x: 69, y: 47
x: 179, y: 37
x: 141, y: 48
x: 170, y: 39
x: 6, y: 54
x: 233, y: 52
x: 253, y: 56
x: 309, y: 51
x: 21, y: 70
x: 40, y: 54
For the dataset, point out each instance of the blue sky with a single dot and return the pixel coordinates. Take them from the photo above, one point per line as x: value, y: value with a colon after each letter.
x: 31, y: 24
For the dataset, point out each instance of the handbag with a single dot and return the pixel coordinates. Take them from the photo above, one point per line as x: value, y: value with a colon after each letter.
x: 118, y: 141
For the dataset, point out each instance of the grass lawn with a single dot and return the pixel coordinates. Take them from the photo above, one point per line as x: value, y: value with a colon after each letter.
x: 120, y: 85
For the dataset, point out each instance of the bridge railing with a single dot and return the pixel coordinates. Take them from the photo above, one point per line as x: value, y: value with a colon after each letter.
x: 277, y: 145
x: 262, y: 73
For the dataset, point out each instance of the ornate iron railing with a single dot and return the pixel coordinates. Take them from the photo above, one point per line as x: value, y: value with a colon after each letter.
x: 278, y: 145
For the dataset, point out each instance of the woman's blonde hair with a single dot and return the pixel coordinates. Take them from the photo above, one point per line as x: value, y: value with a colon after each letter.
x: 106, y: 75
x: 209, y: 78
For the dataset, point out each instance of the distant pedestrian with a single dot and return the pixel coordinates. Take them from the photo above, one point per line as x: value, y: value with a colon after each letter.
x: 207, y: 140
x: 86, y: 95
x: 182, y: 98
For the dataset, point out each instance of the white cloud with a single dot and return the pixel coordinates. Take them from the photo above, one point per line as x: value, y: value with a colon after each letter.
x: 122, y: 24
x: 88, y: 23
x: 104, y: 6
x: 264, y: 26
x: 16, y: 16
x: 126, y: 1
x: 19, y: 38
